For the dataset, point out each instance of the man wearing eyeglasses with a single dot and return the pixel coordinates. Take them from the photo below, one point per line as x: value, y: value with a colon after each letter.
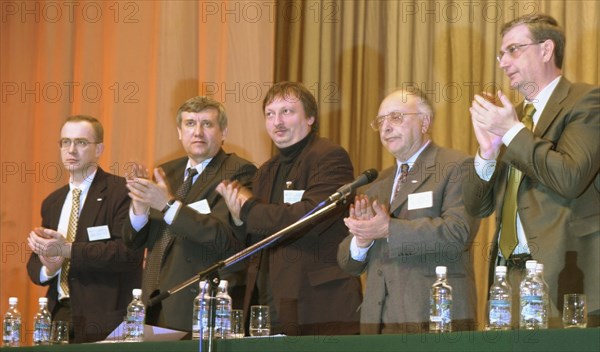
x: 78, y: 252
x: 540, y: 172
x: 409, y: 221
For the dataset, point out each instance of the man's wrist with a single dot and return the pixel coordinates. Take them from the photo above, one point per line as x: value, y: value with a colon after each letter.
x: 168, y: 206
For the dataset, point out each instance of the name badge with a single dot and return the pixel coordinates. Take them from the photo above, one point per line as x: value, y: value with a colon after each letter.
x: 200, y: 206
x: 98, y: 233
x: 420, y: 200
x: 292, y: 196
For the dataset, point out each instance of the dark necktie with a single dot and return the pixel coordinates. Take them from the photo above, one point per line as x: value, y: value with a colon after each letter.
x: 156, y: 253
x: 508, y: 236
x: 401, y: 181
x: 71, y: 231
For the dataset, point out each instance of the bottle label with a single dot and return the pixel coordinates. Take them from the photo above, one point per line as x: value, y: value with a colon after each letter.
x: 41, y: 332
x: 442, y: 312
x: 532, y: 308
x: 500, y: 312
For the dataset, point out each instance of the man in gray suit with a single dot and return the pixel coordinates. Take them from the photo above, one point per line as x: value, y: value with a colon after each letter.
x: 426, y: 225
x: 555, y: 218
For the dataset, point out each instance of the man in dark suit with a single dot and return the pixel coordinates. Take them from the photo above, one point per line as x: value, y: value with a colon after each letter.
x: 553, y: 158
x: 89, y: 270
x: 308, y: 294
x: 186, y: 231
x: 426, y: 225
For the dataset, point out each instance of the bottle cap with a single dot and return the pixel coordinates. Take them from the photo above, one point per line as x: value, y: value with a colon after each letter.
x: 42, y: 300
x: 531, y: 264
x: 13, y: 300
x: 501, y: 269
x: 223, y: 284
x: 201, y: 285
x: 440, y: 270
x: 137, y: 291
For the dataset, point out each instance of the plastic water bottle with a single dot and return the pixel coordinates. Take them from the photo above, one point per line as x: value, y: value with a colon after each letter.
x: 499, y: 305
x: 539, y: 270
x: 11, y: 327
x: 41, y: 324
x: 223, y: 316
x: 136, y: 316
x: 532, y: 299
x: 440, y: 317
x: 200, y: 312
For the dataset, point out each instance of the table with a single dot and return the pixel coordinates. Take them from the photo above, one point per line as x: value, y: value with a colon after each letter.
x: 517, y: 340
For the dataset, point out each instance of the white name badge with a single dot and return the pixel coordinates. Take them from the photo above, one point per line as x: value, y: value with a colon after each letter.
x: 292, y: 196
x: 98, y: 233
x: 420, y: 200
x: 200, y: 206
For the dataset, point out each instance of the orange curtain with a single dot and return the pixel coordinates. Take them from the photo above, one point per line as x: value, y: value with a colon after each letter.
x: 130, y: 64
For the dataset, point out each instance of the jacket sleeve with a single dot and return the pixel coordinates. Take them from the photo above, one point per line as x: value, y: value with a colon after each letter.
x: 568, y: 162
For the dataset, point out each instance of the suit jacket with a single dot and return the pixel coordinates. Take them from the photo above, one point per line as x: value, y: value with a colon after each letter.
x: 199, y: 240
x: 313, y: 296
x: 401, y: 269
x: 558, y: 199
x: 102, y: 273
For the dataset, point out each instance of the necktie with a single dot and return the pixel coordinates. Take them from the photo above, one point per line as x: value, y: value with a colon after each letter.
x: 71, y: 231
x: 156, y: 253
x: 508, y: 237
x: 401, y: 180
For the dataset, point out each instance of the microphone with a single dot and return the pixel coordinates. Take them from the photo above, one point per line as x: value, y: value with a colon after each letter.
x: 365, y: 178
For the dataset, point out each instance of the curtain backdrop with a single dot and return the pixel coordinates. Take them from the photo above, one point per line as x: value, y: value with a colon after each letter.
x: 132, y: 63
x: 353, y: 53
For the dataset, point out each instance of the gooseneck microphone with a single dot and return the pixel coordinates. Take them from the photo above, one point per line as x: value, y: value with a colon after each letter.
x: 365, y: 178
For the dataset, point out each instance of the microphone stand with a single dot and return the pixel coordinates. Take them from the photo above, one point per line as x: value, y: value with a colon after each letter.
x: 257, y: 247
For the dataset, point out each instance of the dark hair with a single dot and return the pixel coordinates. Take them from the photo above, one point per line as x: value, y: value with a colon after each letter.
x: 197, y: 104
x: 96, y: 125
x: 295, y: 90
x: 542, y: 27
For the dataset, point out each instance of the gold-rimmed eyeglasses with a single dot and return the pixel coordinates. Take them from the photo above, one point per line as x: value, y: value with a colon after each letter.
x: 513, y: 50
x: 395, y: 117
x: 80, y: 143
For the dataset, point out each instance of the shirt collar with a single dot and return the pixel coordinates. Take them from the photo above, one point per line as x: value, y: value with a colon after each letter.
x: 540, y: 101
x: 199, y: 167
x: 413, y: 158
x: 85, y: 185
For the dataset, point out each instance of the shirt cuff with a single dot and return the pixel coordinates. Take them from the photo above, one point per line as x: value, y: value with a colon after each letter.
x: 44, y: 277
x: 510, y: 134
x: 357, y: 253
x: 170, y: 214
x: 137, y: 221
x: 484, y: 167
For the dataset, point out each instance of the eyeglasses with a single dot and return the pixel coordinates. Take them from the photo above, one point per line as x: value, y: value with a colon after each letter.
x: 395, y: 117
x: 80, y: 143
x: 513, y: 50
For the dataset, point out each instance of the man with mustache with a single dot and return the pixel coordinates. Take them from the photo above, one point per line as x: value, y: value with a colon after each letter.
x: 308, y: 294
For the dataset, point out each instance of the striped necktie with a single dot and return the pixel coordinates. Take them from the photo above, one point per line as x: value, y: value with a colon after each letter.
x: 157, y: 252
x: 72, y: 230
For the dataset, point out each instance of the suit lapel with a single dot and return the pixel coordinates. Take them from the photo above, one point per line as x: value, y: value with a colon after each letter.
x: 553, y: 107
x: 422, y: 169
x: 56, y: 209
